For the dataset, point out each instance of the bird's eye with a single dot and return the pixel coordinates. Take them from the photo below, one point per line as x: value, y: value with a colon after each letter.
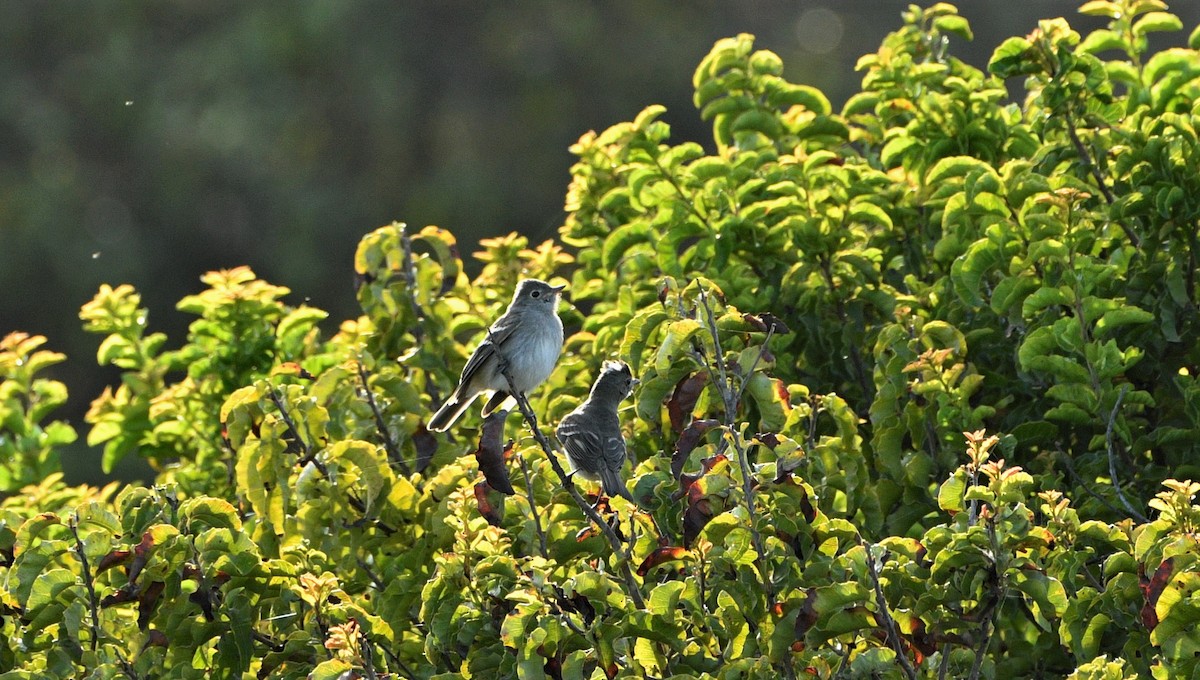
x: 535, y: 294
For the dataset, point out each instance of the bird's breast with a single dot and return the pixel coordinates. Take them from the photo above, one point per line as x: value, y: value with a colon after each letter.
x: 533, y: 359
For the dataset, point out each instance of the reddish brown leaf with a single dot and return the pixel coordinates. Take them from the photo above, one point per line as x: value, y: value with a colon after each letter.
x: 578, y: 604
x: 141, y: 553
x: 695, y: 517
x: 112, y: 559
x: 587, y: 532
x: 489, y: 510
x: 768, y: 439
x: 688, y: 441
x: 806, y: 507
x: 491, y: 453
x: 126, y: 593
x: 147, y: 601
x: 1152, y: 588
x: 683, y: 399
x: 660, y: 555
x: 807, y: 617
x: 552, y: 667
x: 426, y: 445
x: 155, y: 638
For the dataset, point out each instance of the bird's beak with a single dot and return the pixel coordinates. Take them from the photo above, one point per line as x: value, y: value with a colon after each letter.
x: 558, y: 289
x: 635, y: 383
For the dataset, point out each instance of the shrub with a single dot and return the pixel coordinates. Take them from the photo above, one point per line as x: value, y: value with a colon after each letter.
x: 917, y: 396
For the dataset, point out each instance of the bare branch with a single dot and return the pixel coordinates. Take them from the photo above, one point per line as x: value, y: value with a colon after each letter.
x: 537, y: 518
x: 735, y: 438
x: 388, y: 443
x: 889, y: 623
x: 93, y: 600
x: 1112, y: 457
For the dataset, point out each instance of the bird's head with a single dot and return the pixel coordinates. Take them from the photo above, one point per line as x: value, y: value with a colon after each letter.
x: 615, y: 382
x: 535, y: 292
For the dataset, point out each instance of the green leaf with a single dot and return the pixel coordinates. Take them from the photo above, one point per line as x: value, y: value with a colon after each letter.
x: 333, y: 669
x: 203, y: 513
x: 952, y: 491
x: 1101, y: 40
x: 1101, y: 8
x: 676, y: 342
x: 1010, y: 59
x: 954, y: 24
x: 1157, y: 21
x: 664, y: 598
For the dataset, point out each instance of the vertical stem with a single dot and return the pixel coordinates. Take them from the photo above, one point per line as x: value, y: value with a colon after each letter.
x: 735, y: 438
x: 537, y: 518
x: 93, y: 600
x: 388, y: 443
x: 889, y: 624
x: 1112, y: 457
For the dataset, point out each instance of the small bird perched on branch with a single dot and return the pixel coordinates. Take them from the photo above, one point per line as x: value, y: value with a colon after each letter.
x: 527, y: 337
x: 591, y: 434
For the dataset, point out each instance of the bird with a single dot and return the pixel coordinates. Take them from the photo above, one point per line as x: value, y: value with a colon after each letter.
x: 591, y: 434
x: 528, y: 337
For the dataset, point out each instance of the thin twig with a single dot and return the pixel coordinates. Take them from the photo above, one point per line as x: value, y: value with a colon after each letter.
x: 1112, y: 457
x: 1094, y: 171
x: 368, y: 655
x: 533, y: 509
x: 735, y: 438
x: 410, y: 279
x: 754, y: 364
x: 977, y: 666
x: 271, y: 643
x: 398, y: 661
x: 1066, y: 458
x: 889, y: 624
x: 93, y: 600
x: 309, y: 456
x: 613, y: 541
x: 944, y: 665
x: 389, y: 444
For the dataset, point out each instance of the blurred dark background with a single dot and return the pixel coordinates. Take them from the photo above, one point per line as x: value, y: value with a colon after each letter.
x: 147, y: 143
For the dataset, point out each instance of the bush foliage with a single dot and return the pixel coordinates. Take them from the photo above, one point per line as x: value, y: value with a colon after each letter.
x: 918, y: 393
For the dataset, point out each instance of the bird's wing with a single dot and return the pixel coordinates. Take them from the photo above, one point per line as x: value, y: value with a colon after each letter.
x: 613, y: 449
x: 497, y: 335
x: 582, y: 445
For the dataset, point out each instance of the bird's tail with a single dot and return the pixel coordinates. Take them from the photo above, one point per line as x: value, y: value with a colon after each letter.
x: 450, y: 412
x: 614, y: 485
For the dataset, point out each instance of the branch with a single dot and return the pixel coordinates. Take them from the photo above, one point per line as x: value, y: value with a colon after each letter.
x: 389, y: 444
x: 537, y: 519
x: 1066, y: 458
x: 310, y: 456
x: 93, y: 600
x: 731, y: 404
x: 1112, y: 457
x: 889, y: 624
x: 613, y: 541
x: 307, y: 454
x: 1094, y: 171
x: 410, y: 280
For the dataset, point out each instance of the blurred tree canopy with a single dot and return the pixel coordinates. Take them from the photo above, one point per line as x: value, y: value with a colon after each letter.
x: 148, y: 143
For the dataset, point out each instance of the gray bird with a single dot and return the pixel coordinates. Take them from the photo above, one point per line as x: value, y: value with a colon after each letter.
x: 528, y: 336
x: 591, y: 434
